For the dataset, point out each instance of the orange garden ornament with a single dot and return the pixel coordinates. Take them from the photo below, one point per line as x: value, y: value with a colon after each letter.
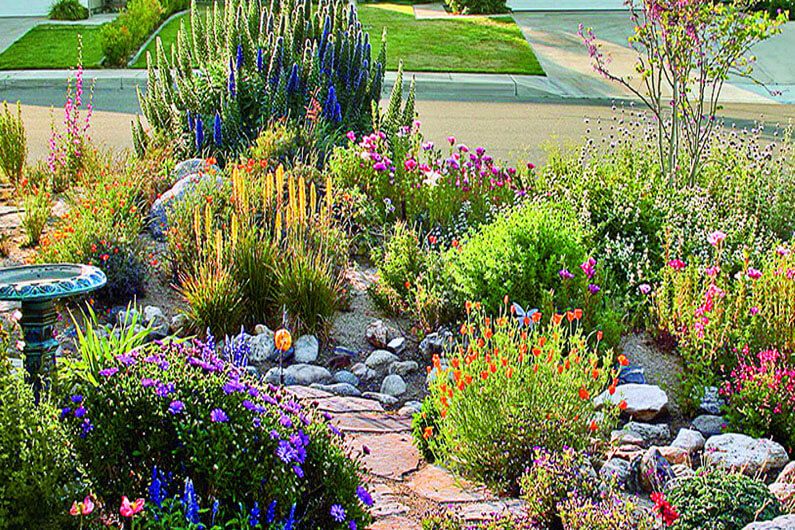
x: 283, y: 340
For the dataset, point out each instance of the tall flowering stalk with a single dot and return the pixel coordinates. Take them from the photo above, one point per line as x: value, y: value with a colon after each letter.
x: 67, y: 148
x: 686, y: 51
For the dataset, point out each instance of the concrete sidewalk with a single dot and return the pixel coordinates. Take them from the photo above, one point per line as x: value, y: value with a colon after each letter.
x: 567, y: 79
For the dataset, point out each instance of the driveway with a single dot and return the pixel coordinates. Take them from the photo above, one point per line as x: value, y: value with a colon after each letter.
x: 554, y: 39
x: 12, y: 28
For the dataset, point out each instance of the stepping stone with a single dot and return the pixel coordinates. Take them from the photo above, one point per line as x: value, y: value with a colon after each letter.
x: 385, y: 502
x: 439, y: 485
x: 304, y: 392
x: 372, y: 423
x: 391, y: 456
x: 395, y: 523
x: 341, y: 405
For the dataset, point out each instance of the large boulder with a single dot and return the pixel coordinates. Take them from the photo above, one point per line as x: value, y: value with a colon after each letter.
x: 644, y: 402
x: 690, y: 440
x: 784, y: 486
x: 739, y: 452
x: 193, y: 173
x: 652, y: 434
x: 393, y: 385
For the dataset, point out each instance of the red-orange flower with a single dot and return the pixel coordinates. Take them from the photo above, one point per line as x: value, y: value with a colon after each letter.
x: 536, y: 316
x: 427, y: 433
x: 622, y: 360
x: 569, y: 315
x: 593, y: 426
x: 556, y: 318
x: 484, y: 375
x: 578, y: 313
x: 599, y: 335
x: 622, y: 405
x: 584, y: 395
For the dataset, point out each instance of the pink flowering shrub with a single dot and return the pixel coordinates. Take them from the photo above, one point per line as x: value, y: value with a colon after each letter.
x: 67, y: 149
x: 761, y: 395
x: 705, y: 308
x: 412, y: 179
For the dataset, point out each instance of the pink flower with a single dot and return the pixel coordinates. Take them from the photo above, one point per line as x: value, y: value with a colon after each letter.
x: 676, y: 264
x: 645, y: 288
x: 351, y: 136
x: 130, y: 509
x: 754, y: 310
x: 410, y: 164
x: 782, y: 251
x: 753, y: 273
x: 716, y: 238
x: 451, y: 140
x: 713, y: 271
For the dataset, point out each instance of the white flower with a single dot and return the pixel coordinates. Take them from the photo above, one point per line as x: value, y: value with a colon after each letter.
x: 432, y: 178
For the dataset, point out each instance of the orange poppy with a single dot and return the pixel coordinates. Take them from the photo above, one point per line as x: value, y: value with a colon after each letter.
x: 481, y: 342
x: 622, y: 360
x: 599, y: 335
x: 468, y: 306
x: 569, y: 315
x: 461, y: 385
x: 595, y: 373
x: 535, y: 368
x: 584, y: 395
x: 509, y: 373
x: 536, y: 316
x: 455, y: 362
x: 484, y: 375
x: 578, y: 313
x: 505, y: 299
x: 560, y: 368
x: 427, y: 433
x: 622, y: 405
x: 556, y: 318
x: 593, y: 427
x: 542, y: 341
x: 468, y: 378
x: 611, y: 389
x: 493, y: 368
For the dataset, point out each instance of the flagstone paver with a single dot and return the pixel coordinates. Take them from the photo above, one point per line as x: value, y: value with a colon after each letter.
x: 391, y: 455
x: 371, y: 423
x: 337, y: 405
x: 439, y: 485
x: 402, y: 489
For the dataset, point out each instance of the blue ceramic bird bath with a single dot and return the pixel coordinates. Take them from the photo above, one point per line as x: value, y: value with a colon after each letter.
x: 37, y: 287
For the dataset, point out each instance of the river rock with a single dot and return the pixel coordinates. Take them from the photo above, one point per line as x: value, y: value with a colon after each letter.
x: 341, y: 389
x: 299, y: 374
x: 306, y: 349
x: 380, y: 360
x: 396, y: 345
x: 709, y: 424
x: 379, y: 334
x: 644, y: 402
x: 710, y: 401
x: 615, y: 468
x: 403, y: 367
x: 180, y: 324
x: 344, y: 376
x: 739, y: 452
x: 262, y: 347
x: 393, y: 385
x: 655, y: 470
x: 410, y: 408
x: 363, y: 372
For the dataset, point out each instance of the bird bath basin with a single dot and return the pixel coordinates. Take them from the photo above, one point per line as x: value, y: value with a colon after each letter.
x: 36, y: 287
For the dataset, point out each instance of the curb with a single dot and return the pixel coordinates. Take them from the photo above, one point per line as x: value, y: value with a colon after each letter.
x: 153, y: 36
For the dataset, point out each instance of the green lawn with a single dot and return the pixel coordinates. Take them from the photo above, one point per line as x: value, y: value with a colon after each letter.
x: 51, y: 46
x: 167, y: 34
x: 482, y: 44
x: 478, y: 44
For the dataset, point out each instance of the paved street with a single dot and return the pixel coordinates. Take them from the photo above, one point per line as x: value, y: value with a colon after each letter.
x: 506, y: 129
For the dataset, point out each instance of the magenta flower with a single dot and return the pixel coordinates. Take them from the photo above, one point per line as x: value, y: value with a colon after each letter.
x: 351, y: 136
x: 594, y: 288
x: 753, y: 273
x: 451, y: 140
x: 754, y: 310
x: 712, y: 271
x: 676, y: 264
x: 410, y: 164
x: 645, y: 288
x: 564, y: 273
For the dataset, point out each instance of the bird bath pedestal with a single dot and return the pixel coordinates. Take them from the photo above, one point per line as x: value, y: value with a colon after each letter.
x: 37, y: 287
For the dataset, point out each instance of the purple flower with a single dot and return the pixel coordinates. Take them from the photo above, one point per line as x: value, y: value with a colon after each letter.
x: 218, y: 416
x: 338, y: 513
x: 565, y: 273
x: 107, y: 372
x: 248, y: 404
x: 176, y: 407
x: 234, y: 386
x: 285, y: 452
x: 147, y: 381
x: 77, y: 398
x: 645, y: 288
x: 380, y: 166
x: 298, y: 471
x: 285, y: 421
x: 127, y: 360
x: 352, y: 525
x: 364, y: 496
x: 80, y: 412
x: 87, y: 427
x: 594, y: 288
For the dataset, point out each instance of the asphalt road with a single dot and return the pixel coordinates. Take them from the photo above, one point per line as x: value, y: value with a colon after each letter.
x: 507, y: 129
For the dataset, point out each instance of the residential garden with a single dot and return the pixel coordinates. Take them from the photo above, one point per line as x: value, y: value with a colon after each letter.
x: 303, y: 314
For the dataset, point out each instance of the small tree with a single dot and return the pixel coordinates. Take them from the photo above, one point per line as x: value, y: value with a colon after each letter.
x: 686, y: 51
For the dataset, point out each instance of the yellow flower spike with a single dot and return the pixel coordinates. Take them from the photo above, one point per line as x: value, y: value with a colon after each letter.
x: 301, y: 199
x: 312, y: 199
x: 219, y: 248
x: 328, y: 197
x: 235, y: 229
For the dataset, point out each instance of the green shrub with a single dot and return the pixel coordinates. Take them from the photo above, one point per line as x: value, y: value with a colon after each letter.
x: 447, y: 519
x: 308, y: 65
x: 255, y: 268
x: 521, y: 254
x: 124, y: 268
x: 37, y: 208
x: 122, y: 37
x: 308, y: 289
x: 13, y: 144
x: 213, y: 299
x: 410, y: 279
x: 423, y: 425
x: 507, y: 388
x: 193, y: 412
x: 718, y: 500
x: 39, y: 476
x: 68, y: 10
x: 613, y: 511
x: 478, y: 7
